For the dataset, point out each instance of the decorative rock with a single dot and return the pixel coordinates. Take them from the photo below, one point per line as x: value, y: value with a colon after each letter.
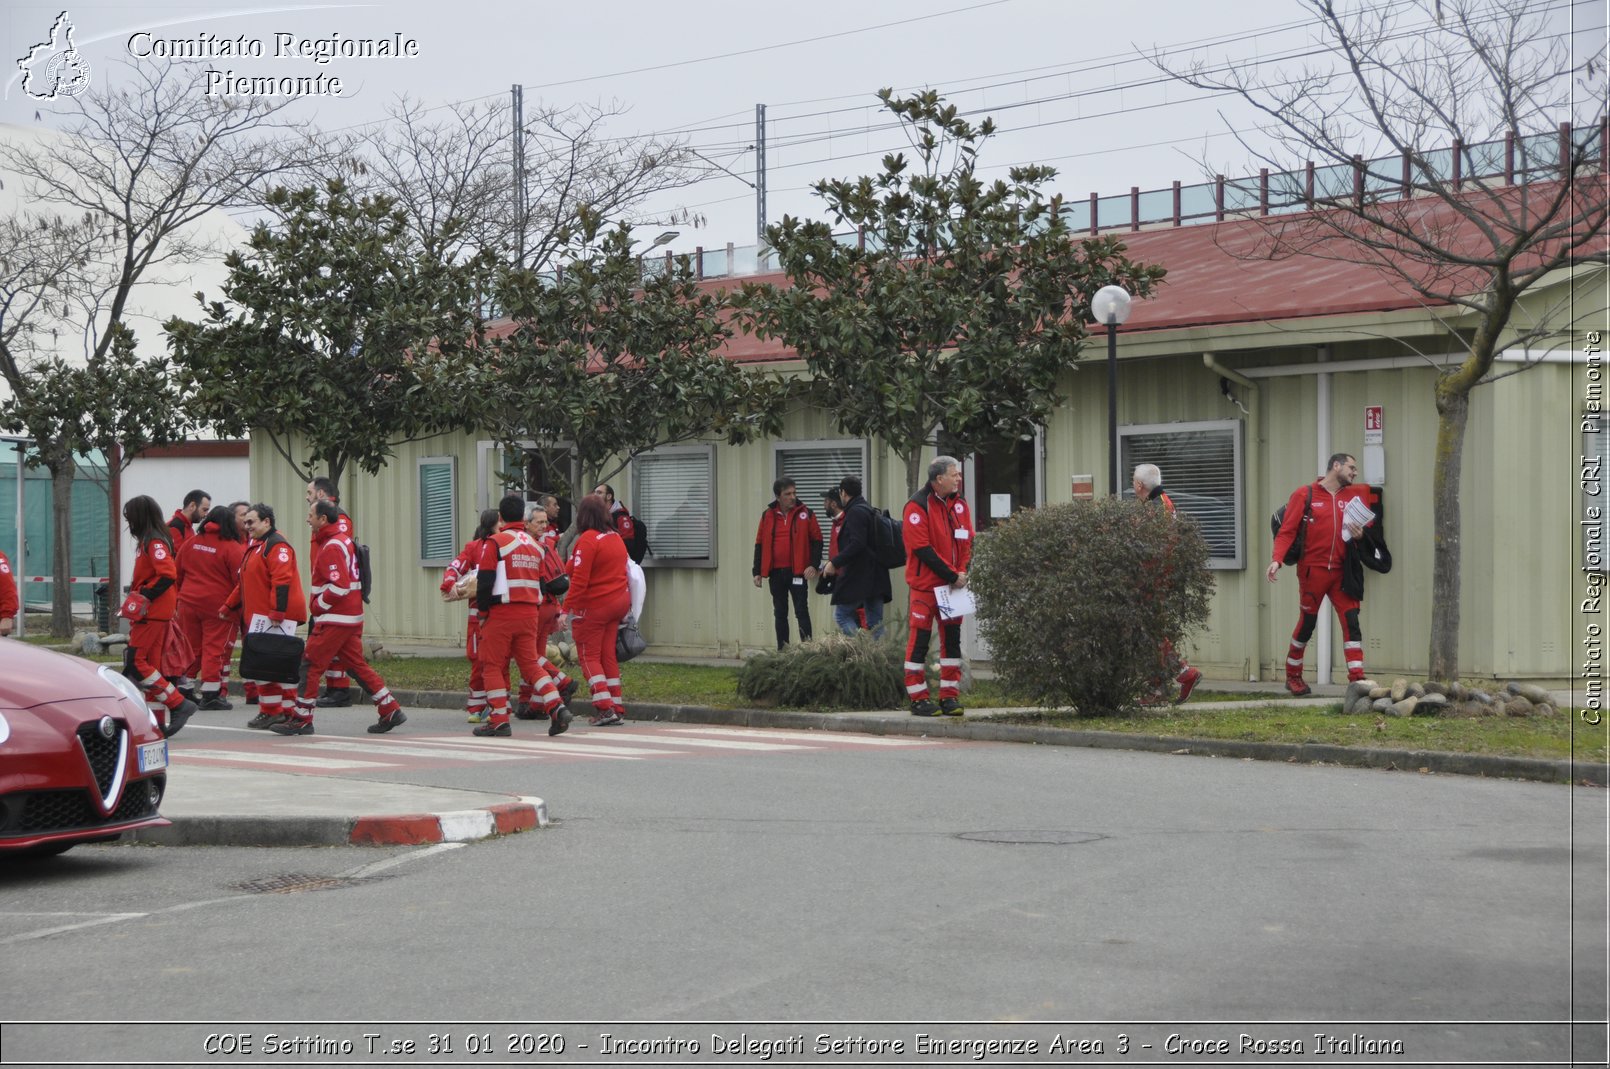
x: 1476, y: 695
x: 1383, y: 705
x: 552, y: 653
x: 1359, y: 705
x: 1543, y: 709
x: 1405, y: 707
x: 1354, y: 692
x: 1458, y: 691
x: 1380, y: 692
x: 116, y: 638
x: 76, y: 643
x: 88, y: 642
x: 1436, y: 688
x: 1533, y: 694
x: 1417, y: 690
x: 1431, y: 705
x: 1518, y: 706
x: 1400, y: 689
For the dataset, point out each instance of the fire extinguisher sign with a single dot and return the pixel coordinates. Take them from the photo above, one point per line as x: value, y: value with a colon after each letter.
x: 1374, y: 424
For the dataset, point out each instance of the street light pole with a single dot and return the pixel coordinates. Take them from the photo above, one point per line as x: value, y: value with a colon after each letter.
x: 1110, y: 305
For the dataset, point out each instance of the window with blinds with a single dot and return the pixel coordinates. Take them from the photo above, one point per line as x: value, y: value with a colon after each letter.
x: 1201, y: 466
x: 673, y: 496
x: 438, y: 490
x: 816, y: 466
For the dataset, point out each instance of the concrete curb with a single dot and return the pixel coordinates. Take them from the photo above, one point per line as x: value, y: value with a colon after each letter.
x: 407, y: 829
x: 892, y: 723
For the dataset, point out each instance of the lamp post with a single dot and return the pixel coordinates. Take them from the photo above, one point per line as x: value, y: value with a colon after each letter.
x: 1110, y: 305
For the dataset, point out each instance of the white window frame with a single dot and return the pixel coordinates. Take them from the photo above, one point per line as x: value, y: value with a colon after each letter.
x: 428, y: 560
x: 812, y: 495
x: 1237, y: 430
x: 653, y: 560
x: 486, y: 470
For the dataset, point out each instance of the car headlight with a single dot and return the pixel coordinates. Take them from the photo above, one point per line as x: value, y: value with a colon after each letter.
x: 126, y: 689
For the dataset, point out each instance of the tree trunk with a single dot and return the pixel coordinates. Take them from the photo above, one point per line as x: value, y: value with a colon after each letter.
x: 916, y: 475
x: 61, y: 518
x: 1453, y: 410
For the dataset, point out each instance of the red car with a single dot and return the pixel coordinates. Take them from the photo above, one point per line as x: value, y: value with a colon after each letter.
x: 82, y: 759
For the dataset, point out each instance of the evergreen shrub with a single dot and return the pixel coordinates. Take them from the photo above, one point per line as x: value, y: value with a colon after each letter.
x: 1075, y: 599
x: 833, y: 672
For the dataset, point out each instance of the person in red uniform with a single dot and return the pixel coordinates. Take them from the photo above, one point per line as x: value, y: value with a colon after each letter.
x: 938, y: 533
x: 155, y: 573
x: 268, y: 594
x: 788, y: 548
x: 623, y: 523
x: 337, y: 684
x: 508, y: 593
x: 598, y: 600
x: 181, y: 525
x: 1148, y: 484
x: 553, y: 688
x: 1319, y: 569
x: 209, y: 568
x: 337, y: 626
x: 457, y: 584
x: 239, y: 508
x: 10, y: 603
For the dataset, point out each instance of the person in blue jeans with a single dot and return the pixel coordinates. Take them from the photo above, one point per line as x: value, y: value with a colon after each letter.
x: 861, y: 586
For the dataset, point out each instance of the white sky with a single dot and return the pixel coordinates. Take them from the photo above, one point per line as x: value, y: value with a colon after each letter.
x: 1046, y: 69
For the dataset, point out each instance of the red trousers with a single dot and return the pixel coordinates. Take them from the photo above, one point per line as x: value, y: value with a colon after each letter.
x: 210, y: 637
x: 1314, y: 584
x: 326, y: 642
x: 594, y: 630
x: 507, y: 633
x: 146, y: 639
x: 924, y: 618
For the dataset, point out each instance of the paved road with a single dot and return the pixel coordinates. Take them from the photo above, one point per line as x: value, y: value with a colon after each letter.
x: 847, y: 881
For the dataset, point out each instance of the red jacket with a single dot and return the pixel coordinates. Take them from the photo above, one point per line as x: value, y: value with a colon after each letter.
x: 155, y: 576
x: 9, y: 603
x: 181, y: 531
x: 804, y: 539
x: 270, y: 584
x: 1322, y: 545
x: 337, y: 586
x: 510, y: 572
x: 209, y: 568
x: 938, y: 533
x: 597, y: 571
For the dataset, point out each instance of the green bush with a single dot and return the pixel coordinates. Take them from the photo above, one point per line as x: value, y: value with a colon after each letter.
x: 835, y: 672
x: 1074, y: 600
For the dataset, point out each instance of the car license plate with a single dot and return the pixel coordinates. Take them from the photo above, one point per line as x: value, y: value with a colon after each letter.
x: 153, y: 756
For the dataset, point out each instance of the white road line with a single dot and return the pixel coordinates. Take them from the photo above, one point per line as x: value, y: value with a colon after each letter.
x: 112, y: 918
x: 413, y: 855
x: 660, y: 740
x: 409, y: 748
x: 277, y: 757
x: 812, y: 736
x: 522, y: 747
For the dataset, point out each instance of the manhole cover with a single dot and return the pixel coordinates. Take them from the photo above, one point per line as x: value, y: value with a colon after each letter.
x: 293, y: 882
x: 1032, y: 838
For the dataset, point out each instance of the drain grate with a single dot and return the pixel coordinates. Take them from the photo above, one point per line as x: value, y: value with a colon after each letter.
x: 1032, y: 838
x: 294, y: 882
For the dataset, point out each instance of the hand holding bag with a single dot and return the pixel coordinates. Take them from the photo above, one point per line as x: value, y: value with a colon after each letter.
x: 134, y: 607
x: 629, y: 641
x: 271, y: 657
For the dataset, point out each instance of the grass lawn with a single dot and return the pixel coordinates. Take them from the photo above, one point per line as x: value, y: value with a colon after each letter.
x: 691, y: 684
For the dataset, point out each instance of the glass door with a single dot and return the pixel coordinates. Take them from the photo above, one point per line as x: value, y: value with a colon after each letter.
x: 1003, y: 477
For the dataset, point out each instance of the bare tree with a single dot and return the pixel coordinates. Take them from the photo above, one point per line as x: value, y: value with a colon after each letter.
x: 1485, y: 125
x: 136, y: 169
x: 458, y: 164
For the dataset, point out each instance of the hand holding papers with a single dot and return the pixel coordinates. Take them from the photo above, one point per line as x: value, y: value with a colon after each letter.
x: 954, y: 602
x: 1355, y: 512
x: 260, y: 622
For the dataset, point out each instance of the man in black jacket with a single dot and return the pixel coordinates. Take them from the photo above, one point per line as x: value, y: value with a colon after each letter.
x: 861, y: 586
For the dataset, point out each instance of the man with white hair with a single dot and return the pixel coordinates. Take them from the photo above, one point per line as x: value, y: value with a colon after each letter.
x: 938, y: 530
x: 1148, y: 484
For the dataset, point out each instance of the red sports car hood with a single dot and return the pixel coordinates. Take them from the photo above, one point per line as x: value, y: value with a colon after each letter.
x: 31, y: 677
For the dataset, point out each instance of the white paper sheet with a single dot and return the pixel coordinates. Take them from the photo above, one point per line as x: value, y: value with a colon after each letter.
x: 954, y: 603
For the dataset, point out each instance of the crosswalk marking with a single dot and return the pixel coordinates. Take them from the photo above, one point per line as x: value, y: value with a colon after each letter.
x: 808, y: 736
x: 277, y: 756
x: 639, y: 741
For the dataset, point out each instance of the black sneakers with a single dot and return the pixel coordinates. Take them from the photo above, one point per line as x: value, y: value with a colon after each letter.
x: 491, y: 730
x: 527, y: 711
x: 950, y: 707
x: 568, y: 691
x: 177, y: 718
x: 292, y: 725
x: 335, y: 699
x: 924, y: 708
x: 560, y: 723
x: 265, y: 720
x: 387, y: 722
x: 214, y: 704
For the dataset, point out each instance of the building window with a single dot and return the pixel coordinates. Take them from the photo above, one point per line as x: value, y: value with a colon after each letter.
x: 438, y: 494
x: 1201, y: 466
x: 816, y: 466
x: 673, y: 495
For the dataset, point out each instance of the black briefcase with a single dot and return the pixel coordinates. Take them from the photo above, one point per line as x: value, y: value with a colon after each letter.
x: 270, y: 657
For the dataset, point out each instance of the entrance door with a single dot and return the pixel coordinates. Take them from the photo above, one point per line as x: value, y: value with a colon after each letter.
x: 1006, y: 475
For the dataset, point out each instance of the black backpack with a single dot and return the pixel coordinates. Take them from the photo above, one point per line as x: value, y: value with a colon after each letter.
x: 1294, y: 552
x: 888, y: 547
x: 366, y: 575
